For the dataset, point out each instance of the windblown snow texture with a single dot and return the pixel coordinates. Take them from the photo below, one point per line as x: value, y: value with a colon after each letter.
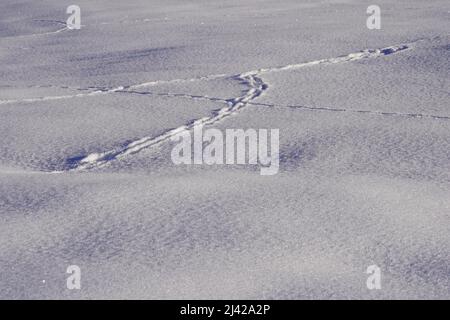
x: 87, y: 115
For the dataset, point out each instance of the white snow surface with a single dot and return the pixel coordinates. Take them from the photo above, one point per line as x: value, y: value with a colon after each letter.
x: 86, y: 118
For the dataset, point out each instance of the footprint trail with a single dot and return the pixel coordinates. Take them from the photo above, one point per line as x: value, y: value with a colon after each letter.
x: 252, y: 79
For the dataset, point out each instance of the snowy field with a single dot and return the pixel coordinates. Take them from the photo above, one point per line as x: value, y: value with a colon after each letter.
x: 87, y: 177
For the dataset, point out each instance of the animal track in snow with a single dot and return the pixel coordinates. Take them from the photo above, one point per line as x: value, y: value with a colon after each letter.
x: 252, y: 79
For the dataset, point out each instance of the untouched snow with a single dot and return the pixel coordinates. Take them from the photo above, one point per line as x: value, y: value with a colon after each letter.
x: 86, y: 118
